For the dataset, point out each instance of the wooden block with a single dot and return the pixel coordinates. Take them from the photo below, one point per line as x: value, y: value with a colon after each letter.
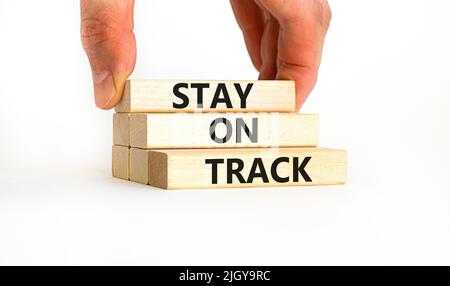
x: 121, y: 162
x: 121, y: 129
x: 244, y: 167
x: 139, y: 165
x: 208, y: 96
x: 220, y: 130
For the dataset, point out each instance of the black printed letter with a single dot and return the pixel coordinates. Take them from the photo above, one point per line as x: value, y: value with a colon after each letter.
x: 200, y: 87
x: 240, y: 124
x: 258, y: 164
x: 301, y: 169
x: 182, y: 96
x: 273, y: 170
x: 212, y: 130
x: 243, y: 95
x: 214, y: 163
x: 236, y: 172
x: 221, y: 88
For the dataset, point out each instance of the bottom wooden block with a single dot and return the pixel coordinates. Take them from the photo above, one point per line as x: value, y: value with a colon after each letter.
x: 121, y: 162
x: 245, y: 167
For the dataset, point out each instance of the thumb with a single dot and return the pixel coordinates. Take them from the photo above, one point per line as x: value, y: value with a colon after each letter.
x: 303, y: 27
x: 108, y: 39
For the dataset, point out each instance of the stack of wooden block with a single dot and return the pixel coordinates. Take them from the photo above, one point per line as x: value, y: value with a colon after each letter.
x: 176, y: 134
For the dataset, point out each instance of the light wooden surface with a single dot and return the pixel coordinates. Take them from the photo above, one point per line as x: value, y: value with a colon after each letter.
x: 193, y: 168
x: 121, y: 129
x: 139, y: 165
x: 175, y: 130
x: 121, y: 162
x: 159, y: 96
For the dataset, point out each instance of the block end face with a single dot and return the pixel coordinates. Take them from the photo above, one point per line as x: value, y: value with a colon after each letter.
x: 139, y: 130
x: 139, y: 166
x: 121, y: 162
x: 158, y: 169
x: 121, y: 129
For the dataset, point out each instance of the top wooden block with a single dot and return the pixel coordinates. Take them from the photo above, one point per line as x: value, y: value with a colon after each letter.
x: 208, y: 96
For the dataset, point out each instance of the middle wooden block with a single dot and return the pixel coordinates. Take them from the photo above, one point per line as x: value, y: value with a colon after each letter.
x: 216, y: 130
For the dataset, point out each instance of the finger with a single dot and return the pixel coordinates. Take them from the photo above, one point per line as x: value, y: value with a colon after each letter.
x: 303, y: 26
x: 251, y: 21
x: 269, y: 46
x: 108, y: 39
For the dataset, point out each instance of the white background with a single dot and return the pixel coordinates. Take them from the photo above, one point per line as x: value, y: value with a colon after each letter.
x: 383, y: 94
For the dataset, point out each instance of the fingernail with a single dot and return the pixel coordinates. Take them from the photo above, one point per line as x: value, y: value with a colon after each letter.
x: 104, y: 89
x: 283, y: 76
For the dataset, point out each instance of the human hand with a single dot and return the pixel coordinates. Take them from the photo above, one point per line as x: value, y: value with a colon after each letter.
x: 285, y: 38
x: 108, y: 39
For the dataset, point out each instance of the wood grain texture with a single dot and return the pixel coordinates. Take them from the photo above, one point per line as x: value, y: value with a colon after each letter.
x: 238, y: 167
x: 175, y: 130
x: 121, y: 162
x: 159, y: 96
x: 139, y: 165
x: 121, y: 129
